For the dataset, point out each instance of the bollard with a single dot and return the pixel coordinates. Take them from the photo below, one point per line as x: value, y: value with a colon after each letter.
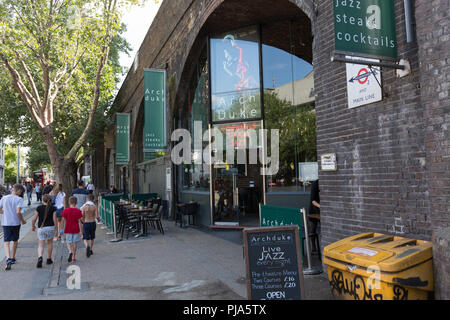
x: 309, y: 270
x: 110, y: 219
x: 114, y: 225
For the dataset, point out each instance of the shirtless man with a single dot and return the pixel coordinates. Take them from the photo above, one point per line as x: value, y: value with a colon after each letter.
x: 90, y: 213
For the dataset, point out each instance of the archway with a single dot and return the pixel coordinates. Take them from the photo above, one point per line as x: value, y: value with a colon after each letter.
x: 271, y: 31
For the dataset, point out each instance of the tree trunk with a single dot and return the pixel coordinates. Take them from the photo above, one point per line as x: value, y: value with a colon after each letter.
x: 66, y: 174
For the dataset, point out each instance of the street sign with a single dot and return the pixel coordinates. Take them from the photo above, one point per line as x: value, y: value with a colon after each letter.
x: 328, y: 162
x: 363, y: 83
x: 365, y: 28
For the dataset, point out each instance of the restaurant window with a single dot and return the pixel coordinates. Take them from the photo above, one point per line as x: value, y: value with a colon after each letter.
x: 235, y: 76
x: 289, y: 104
x: 196, y: 176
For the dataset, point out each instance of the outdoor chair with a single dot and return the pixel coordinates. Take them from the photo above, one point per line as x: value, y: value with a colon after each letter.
x: 155, y: 208
x: 129, y: 223
x: 155, y: 219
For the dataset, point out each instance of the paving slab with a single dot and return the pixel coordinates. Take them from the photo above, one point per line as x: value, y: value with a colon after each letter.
x: 187, y: 264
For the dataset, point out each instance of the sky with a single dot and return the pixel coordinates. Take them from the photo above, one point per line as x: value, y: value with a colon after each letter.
x: 138, y: 19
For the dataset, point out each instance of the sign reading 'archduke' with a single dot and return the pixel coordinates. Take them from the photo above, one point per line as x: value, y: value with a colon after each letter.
x: 122, y: 138
x: 365, y: 27
x: 155, y: 110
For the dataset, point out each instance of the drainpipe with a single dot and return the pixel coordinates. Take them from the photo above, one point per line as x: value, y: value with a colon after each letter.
x: 409, y: 21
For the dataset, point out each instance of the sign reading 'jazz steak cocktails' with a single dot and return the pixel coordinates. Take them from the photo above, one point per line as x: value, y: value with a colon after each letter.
x: 365, y: 28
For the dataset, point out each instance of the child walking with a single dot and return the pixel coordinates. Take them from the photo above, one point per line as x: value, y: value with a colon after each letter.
x: 59, y: 199
x: 72, y: 227
x: 46, y: 214
x: 90, y: 214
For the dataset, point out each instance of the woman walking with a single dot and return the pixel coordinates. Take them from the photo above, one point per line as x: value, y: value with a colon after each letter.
x: 58, y: 197
x: 46, y: 214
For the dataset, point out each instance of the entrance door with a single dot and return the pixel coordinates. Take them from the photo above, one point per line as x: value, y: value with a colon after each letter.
x: 238, y: 190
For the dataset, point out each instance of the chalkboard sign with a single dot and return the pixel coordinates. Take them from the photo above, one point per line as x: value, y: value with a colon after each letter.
x: 273, y: 264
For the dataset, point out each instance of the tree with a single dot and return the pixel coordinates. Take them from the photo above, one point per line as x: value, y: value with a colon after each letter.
x: 10, y: 164
x: 56, y: 55
x: 37, y: 157
x: 297, y: 125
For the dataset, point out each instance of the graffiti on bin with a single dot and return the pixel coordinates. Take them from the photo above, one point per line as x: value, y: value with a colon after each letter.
x: 400, y: 293
x: 357, y: 288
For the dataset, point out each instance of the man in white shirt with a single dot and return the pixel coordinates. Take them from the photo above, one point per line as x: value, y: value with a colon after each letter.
x: 90, y: 187
x: 10, y: 209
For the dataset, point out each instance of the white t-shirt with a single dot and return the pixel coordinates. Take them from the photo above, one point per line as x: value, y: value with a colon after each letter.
x: 9, y: 204
x: 90, y: 186
x: 59, y: 200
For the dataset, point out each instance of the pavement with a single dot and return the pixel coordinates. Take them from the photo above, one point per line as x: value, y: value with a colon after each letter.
x: 192, y: 263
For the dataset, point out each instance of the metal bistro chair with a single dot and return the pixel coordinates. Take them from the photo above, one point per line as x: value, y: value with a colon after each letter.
x: 128, y: 222
x: 154, y: 212
x: 151, y: 202
x: 155, y: 219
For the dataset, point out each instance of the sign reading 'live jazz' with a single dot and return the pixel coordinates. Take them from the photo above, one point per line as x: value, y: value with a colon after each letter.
x: 365, y: 27
x: 273, y: 263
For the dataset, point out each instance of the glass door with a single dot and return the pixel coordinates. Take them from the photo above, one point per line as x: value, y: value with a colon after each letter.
x: 238, y: 182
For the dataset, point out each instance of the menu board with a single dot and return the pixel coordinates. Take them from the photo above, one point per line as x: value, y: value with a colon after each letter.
x: 273, y: 264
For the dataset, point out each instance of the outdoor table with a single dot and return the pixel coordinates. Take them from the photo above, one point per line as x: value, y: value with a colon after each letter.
x: 182, y: 207
x: 314, y: 216
x: 141, y: 213
x: 121, y: 204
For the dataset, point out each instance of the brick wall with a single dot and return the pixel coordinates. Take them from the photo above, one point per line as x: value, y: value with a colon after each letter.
x: 381, y: 184
x: 441, y: 263
x: 393, y: 156
x: 433, y: 36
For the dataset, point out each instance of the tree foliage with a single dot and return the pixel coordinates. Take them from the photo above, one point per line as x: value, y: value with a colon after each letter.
x: 297, y: 125
x: 10, y: 164
x: 60, y: 70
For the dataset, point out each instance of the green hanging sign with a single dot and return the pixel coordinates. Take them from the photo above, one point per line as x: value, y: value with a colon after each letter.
x: 365, y: 28
x: 122, y: 138
x: 155, y: 110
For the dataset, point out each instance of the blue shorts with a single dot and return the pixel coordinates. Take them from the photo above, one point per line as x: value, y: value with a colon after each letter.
x: 89, y: 230
x: 11, y: 233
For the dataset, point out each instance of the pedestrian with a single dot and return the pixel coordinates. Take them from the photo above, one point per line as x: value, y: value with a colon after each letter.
x: 72, y: 229
x: 29, y: 192
x: 46, y: 214
x: 80, y: 193
x: 46, y: 188
x: 90, y: 214
x: 90, y: 187
x: 314, y: 207
x: 112, y: 189
x: 59, y: 202
x: 37, y: 189
x: 10, y: 208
